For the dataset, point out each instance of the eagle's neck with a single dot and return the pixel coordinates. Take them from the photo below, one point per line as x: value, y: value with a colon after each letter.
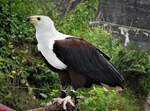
x: 48, y: 33
x: 46, y: 37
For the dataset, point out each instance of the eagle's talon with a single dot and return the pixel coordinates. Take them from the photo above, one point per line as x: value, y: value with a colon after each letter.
x: 67, y: 100
x: 57, y: 101
x: 64, y: 102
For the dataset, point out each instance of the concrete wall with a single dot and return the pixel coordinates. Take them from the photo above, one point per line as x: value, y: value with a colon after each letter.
x: 135, y: 13
x: 127, y: 12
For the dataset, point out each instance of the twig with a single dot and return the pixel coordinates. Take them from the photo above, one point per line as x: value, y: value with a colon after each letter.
x: 114, y: 24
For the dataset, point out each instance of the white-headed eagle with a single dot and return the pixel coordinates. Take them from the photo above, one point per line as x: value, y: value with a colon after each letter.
x: 78, y: 62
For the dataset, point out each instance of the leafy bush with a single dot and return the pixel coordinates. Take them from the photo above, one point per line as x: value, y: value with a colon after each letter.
x: 135, y: 67
x: 98, y: 100
x: 20, y: 63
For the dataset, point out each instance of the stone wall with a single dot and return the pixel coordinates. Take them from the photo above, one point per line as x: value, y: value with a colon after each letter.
x: 127, y: 12
x: 131, y: 13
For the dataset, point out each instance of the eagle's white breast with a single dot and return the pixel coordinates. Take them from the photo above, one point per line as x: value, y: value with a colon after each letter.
x: 46, y: 34
x: 45, y: 46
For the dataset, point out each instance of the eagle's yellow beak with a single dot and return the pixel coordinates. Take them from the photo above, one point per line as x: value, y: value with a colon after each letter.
x: 32, y: 19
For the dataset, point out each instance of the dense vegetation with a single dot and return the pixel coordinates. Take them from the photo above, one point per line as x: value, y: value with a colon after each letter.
x: 25, y: 80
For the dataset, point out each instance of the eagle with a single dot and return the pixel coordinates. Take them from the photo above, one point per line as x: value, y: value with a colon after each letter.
x: 78, y: 63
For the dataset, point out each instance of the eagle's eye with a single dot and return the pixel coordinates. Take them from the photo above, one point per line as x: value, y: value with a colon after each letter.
x: 38, y: 18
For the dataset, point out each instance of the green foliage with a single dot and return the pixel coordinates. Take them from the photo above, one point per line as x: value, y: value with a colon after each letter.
x: 22, y: 66
x: 98, y: 100
x: 20, y: 63
x: 135, y: 67
x: 76, y: 22
x: 16, y: 98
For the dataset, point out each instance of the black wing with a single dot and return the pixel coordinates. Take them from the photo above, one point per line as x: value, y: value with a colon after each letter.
x: 82, y: 57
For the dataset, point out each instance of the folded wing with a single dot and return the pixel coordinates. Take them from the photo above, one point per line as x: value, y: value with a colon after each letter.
x: 83, y: 58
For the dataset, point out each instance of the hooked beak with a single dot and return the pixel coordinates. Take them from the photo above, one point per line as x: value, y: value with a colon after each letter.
x: 28, y: 19
x: 32, y: 19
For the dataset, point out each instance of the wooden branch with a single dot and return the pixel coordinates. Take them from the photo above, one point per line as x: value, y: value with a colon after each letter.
x: 5, y: 108
x: 56, y: 106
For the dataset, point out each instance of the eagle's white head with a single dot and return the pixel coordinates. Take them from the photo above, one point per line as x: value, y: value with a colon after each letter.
x: 45, y: 29
x: 42, y: 23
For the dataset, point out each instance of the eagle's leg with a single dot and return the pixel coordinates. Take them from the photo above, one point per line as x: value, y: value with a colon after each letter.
x: 73, y: 95
x: 77, y: 81
x: 65, y: 81
x: 62, y: 93
x: 65, y: 99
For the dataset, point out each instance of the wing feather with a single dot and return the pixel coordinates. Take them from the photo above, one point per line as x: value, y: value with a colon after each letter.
x: 82, y: 57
